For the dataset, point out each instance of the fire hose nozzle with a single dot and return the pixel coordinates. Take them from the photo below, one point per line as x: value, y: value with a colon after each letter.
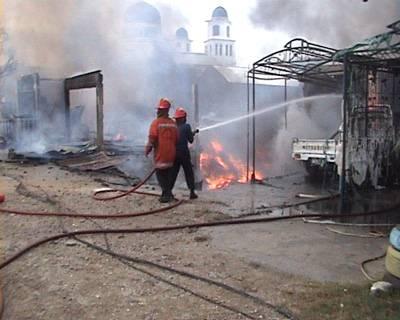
x: 196, y: 131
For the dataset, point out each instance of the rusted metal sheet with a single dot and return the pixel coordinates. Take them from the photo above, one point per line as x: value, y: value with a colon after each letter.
x: 371, y: 140
x: 93, y: 162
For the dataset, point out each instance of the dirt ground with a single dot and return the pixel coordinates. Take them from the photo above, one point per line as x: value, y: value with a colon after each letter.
x: 268, y: 265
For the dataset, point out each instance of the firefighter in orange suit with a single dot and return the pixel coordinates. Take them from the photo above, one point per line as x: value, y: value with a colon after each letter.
x: 163, y: 137
x: 186, y: 136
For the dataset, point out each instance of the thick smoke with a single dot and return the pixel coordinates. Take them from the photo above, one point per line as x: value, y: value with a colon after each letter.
x: 59, y: 39
x: 322, y: 123
x: 337, y: 23
x: 70, y: 36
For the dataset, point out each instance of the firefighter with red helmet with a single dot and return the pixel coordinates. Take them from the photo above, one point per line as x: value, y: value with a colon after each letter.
x: 186, y: 135
x: 163, y: 137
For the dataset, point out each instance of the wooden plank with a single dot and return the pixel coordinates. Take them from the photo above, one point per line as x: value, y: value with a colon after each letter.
x: 100, y: 116
x: 85, y: 81
x: 67, y: 115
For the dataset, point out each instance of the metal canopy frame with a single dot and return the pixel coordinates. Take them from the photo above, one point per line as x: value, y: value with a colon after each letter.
x: 304, y: 61
x: 300, y: 60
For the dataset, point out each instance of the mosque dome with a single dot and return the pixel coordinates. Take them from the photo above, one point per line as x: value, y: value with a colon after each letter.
x: 220, y: 12
x: 182, y: 33
x: 142, y: 12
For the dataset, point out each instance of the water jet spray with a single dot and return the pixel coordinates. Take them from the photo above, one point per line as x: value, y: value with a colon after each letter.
x: 271, y: 108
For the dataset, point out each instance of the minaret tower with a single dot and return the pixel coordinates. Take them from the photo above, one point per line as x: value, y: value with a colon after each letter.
x: 219, y: 44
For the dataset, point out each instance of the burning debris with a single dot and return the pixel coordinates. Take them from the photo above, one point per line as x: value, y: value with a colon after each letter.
x: 220, y: 168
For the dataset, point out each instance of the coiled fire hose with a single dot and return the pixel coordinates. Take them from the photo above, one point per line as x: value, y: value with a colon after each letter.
x: 122, y: 193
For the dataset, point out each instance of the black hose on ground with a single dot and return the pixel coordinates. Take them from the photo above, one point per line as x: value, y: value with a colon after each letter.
x: 282, y: 311
x: 186, y: 226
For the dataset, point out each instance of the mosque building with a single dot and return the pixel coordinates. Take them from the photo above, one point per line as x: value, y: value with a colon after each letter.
x: 219, y: 48
x: 143, y: 26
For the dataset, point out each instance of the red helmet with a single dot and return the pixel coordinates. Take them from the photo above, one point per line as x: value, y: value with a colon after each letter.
x: 164, y: 104
x: 180, y: 113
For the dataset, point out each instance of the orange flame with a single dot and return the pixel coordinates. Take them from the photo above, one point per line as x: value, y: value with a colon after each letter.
x: 220, y: 169
x: 216, y: 146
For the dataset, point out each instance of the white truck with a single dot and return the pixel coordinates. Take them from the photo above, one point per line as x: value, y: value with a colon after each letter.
x: 318, y: 155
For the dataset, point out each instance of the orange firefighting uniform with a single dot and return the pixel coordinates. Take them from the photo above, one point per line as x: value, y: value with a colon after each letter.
x: 163, y: 136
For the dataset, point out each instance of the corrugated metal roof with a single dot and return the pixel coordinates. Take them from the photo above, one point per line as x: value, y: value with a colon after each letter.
x: 233, y: 74
x: 382, y: 47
